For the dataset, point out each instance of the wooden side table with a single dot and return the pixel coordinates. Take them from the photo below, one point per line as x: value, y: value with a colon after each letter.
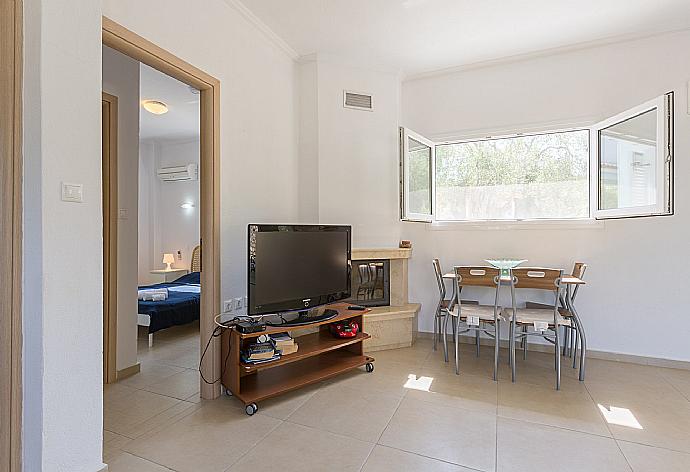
x: 160, y: 276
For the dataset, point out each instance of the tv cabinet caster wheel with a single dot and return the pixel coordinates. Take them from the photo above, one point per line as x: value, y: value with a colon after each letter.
x: 370, y: 367
x: 227, y: 392
x: 251, y: 409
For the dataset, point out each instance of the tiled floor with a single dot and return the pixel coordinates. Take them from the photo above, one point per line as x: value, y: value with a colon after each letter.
x: 411, y: 413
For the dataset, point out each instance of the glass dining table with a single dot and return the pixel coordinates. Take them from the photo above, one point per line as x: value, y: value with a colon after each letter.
x: 569, y: 282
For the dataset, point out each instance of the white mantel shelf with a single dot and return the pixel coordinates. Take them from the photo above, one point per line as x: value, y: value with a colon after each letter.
x: 359, y: 254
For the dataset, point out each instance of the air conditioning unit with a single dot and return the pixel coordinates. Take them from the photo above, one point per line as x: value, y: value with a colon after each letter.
x: 178, y: 173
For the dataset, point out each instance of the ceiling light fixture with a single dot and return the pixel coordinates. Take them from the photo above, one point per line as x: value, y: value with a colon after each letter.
x: 187, y: 205
x: 155, y: 106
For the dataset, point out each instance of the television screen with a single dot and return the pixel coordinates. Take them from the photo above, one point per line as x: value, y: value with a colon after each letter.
x: 297, y: 267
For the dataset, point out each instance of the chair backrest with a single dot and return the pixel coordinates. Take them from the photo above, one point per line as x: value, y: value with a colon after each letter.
x: 439, y: 278
x: 477, y: 276
x: 195, y: 265
x: 579, y: 270
x: 537, y: 278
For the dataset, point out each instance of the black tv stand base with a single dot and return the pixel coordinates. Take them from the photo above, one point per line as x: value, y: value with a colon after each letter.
x: 304, y: 318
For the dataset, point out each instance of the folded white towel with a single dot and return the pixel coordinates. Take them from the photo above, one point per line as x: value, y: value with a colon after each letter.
x: 147, y: 293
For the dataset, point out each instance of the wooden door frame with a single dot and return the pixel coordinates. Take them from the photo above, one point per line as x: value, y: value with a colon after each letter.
x: 11, y: 50
x: 129, y: 43
x: 109, y: 180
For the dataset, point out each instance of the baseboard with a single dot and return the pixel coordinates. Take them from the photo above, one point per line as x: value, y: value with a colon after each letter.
x: 104, y: 468
x: 129, y: 371
x: 591, y: 353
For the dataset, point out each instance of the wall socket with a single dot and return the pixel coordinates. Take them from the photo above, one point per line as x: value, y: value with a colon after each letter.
x: 237, y: 303
x: 227, y: 306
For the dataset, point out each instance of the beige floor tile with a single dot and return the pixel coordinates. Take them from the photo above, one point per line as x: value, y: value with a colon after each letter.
x: 210, y: 439
x: 112, y: 445
x: 386, y: 378
x: 282, y: 406
x: 411, y: 355
x: 652, y: 459
x: 115, y: 392
x: 180, y: 386
x: 342, y: 410
x: 142, y: 403
x: 162, y: 420
x: 565, y: 409
x: 386, y: 459
x: 680, y: 379
x: 125, y: 462
x: 535, y: 448
x: 622, y: 373
x: 662, y: 424
x: 151, y: 372
x: 450, y: 434
x: 295, y: 448
x: 472, y: 392
x: 196, y: 398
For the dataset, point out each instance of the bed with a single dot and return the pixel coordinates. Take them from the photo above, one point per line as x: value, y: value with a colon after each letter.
x: 181, y: 305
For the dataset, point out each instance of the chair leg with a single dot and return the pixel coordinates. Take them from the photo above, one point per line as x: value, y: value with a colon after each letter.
x: 566, y: 338
x: 512, y: 349
x: 557, y: 353
x: 497, y: 338
x: 455, y: 329
x: 150, y: 339
x: 445, y: 337
x: 436, y: 318
x: 576, y: 336
x: 476, y: 339
x: 457, y: 341
x: 524, y: 342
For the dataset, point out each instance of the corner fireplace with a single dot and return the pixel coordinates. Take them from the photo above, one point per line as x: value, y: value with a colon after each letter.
x: 371, y: 285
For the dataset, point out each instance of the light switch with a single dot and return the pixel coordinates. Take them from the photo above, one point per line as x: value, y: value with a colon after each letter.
x: 72, y: 193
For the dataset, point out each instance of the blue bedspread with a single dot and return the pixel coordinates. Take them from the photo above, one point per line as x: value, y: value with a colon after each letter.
x: 180, y: 308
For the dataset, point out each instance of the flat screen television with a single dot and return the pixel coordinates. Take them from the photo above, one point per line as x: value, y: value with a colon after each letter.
x: 295, y: 268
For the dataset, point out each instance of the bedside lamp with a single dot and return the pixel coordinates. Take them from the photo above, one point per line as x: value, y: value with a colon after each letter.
x: 168, y: 259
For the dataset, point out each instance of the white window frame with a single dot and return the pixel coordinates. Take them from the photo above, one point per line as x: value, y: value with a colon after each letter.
x: 405, y: 214
x: 664, y: 161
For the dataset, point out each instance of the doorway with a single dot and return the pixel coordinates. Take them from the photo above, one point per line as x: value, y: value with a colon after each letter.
x: 128, y: 43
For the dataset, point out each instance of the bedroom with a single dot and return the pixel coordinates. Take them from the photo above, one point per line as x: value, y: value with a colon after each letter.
x: 158, y: 231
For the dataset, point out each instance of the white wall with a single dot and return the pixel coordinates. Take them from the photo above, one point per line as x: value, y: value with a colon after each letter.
x: 357, y: 163
x: 63, y: 252
x: 148, y: 197
x: 121, y: 78
x: 638, y: 267
x: 259, y: 129
x: 63, y: 347
x: 165, y: 226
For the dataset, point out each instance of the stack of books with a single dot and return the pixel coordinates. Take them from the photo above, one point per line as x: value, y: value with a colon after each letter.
x: 258, y: 353
x: 284, y: 343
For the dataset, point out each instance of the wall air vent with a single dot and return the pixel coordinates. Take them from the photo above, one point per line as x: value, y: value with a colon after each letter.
x: 358, y: 101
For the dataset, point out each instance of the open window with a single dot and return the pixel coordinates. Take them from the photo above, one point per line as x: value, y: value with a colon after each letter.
x: 417, y: 161
x: 633, y: 161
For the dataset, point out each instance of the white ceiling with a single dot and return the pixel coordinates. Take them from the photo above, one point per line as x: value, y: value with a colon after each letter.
x: 417, y: 36
x: 182, y: 119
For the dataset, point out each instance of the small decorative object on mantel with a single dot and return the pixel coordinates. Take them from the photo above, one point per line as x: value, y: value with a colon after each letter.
x: 405, y: 244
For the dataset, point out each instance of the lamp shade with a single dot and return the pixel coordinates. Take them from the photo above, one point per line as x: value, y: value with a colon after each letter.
x: 168, y: 258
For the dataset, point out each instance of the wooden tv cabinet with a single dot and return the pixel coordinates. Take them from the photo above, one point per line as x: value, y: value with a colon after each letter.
x: 320, y: 355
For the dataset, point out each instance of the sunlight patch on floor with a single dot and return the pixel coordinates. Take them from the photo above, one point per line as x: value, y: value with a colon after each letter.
x: 620, y: 416
x: 421, y: 383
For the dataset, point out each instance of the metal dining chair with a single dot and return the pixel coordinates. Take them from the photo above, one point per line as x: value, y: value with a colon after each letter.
x: 571, y: 338
x: 444, y: 305
x: 476, y: 318
x: 544, y: 322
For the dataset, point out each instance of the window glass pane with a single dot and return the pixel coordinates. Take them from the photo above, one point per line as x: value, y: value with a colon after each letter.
x: 524, y: 177
x: 627, y: 165
x: 419, y: 156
